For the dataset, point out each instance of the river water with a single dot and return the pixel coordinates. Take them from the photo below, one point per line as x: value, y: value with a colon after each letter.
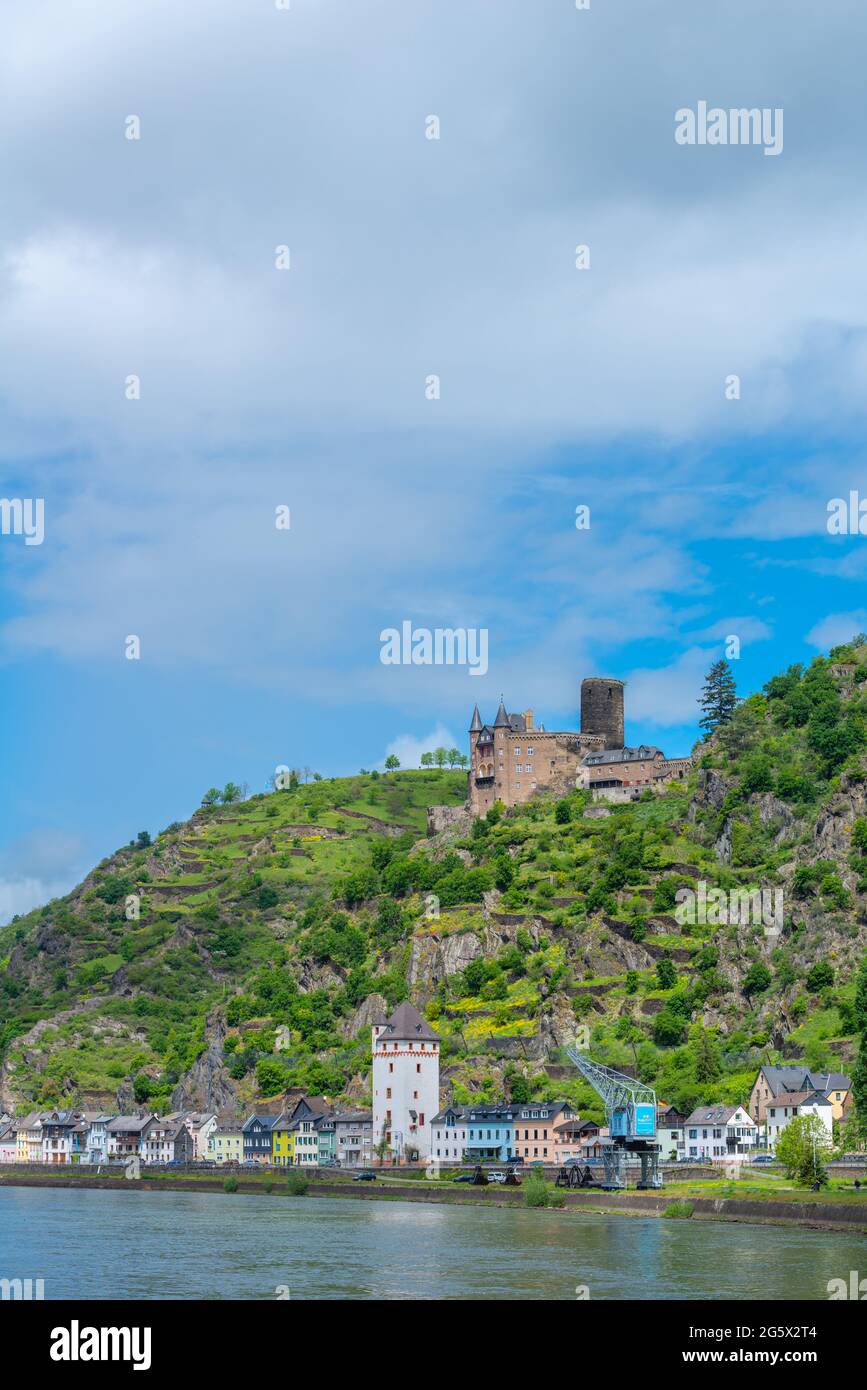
x: 147, y: 1245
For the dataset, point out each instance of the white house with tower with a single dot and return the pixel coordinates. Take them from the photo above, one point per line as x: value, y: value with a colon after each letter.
x: 406, y: 1085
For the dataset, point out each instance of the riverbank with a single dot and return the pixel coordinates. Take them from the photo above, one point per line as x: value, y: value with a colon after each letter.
x: 825, y: 1211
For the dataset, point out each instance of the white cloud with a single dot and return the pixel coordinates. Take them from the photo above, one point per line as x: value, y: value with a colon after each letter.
x: 409, y: 748
x: 836, y: 629
x: 668, y: 696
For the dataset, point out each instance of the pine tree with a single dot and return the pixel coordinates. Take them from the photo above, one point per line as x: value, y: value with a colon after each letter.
x: 719, y: 696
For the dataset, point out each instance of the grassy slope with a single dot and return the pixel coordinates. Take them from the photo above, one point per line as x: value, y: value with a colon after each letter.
x: 249, y: 918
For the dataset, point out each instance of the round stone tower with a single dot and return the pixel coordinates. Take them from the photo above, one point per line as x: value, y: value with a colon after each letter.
x: 602, y: 709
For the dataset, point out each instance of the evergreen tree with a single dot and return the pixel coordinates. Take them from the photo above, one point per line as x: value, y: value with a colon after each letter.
x: 718, y: 698
x: 859, y: 1072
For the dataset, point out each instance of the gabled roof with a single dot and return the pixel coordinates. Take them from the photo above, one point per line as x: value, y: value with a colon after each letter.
x: 407, y: 1024
x: 797, y: 1098
x: 129, y: 1124
x: 799, y: 1078
x: 266, y: 1121
x: 714, y: 1114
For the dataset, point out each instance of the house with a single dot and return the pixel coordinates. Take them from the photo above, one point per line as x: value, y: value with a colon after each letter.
x: 167, y: 1140
x: 449, y: 1134
x: 326, y: 1151
x: 57, y: 1126
x: 490, y: 1132
x: 125, y: 1136
x: 771, y: 1082
x: 718, y: 1132
x: 8, y: 1142
x: 670, y: 1126
x: 226, y: 1146
x: 201, y: 1126
x: 789, y: 1105
x: 303, y: 1119
x: 29, y: 1138
x: 283, y: 1141
x: 570, y: 1138
x: 96, y: 1137
x: 353, y: 1138
x: 257, y: 1138
x: 534, y: 1129
x: 406, y: 1084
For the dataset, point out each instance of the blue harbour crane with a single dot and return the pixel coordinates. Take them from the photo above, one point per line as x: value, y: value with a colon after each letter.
x: 630, y: 1113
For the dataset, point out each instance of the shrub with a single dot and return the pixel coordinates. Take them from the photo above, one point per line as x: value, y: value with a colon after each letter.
x: 230, y: 1185
x: 679, y: 1210
x: 297, y: 1184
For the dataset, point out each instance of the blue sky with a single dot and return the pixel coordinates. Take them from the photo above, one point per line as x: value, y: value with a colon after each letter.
x: 305, y: 387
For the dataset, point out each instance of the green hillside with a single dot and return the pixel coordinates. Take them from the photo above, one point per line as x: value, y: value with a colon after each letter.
x: 271, y: 931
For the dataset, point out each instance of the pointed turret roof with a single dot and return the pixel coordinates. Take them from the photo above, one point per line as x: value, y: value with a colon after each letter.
x: 406, y: 1022
x: 477, y: 720
x: 502, y: 719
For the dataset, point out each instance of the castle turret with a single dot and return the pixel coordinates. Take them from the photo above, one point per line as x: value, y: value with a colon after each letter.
x: 476, y: 725
x: 602, y: 709
x: 502, y: 719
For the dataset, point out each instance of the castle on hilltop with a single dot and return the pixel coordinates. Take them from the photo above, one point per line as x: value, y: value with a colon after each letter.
x: 512, y: 760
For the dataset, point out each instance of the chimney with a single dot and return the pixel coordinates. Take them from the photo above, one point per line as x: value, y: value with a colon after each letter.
x: 528, y: 720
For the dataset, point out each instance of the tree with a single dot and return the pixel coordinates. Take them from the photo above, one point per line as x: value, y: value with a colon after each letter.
x: 719, y: 697
x: 821, y: 975
x: 563, y: 812
x: 666, y: 975
x: 392, y: 763
x: 454, y: 755
x: 427, y: 759
x: 859, y: 1071
x: 440, y: 757
x: 520, y: 1090
x: 230, y: 793
x: 211, y: 797
x: 802, y: 1149
x: 143, y: 839
x: 757, y: 979
x: 463, y: 760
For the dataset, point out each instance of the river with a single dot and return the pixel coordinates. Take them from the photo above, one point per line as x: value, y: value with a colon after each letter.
x: 147, y: 1245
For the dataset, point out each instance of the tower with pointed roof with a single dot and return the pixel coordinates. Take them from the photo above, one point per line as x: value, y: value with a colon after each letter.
x: 406, y: 1085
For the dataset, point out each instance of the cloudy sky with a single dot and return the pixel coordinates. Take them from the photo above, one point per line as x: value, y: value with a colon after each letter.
x: 409, y: 257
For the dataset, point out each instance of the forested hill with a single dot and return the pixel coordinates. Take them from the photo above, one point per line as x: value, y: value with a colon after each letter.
x: 272, y: 931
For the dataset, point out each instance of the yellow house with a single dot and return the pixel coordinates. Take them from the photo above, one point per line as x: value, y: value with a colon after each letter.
x: 28, y: 1140
x: 226, y: 1146
x: 283, y: 1143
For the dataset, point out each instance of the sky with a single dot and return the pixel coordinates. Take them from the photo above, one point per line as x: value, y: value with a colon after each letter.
x: 309, y: 387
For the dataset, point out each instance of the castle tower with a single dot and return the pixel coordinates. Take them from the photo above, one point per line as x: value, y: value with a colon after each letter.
x: 406, y: 1082
x: 602, y: 709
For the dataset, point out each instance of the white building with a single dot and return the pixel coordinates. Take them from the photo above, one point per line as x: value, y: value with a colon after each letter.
x: 96, y: 1141
x: 720, y: 1132
x: 670, y: 1131
x: 788, y: 1105
x: 406, y: 1084
x: 449, y: 1135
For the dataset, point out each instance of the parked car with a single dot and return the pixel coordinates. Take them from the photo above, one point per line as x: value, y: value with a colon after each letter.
x: 366, y: 1175
x: 763, y: 1158
x: 465, y: 1177
x: 496, y: 1176
x: 515, y: 1158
